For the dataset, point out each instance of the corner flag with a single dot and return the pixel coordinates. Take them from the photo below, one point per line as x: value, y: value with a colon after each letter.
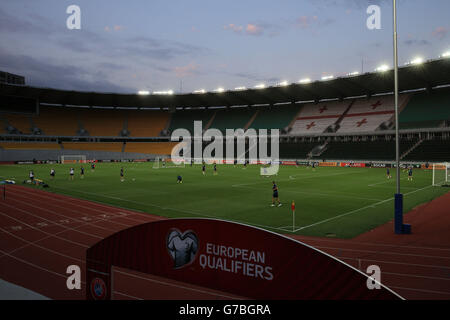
x: 293, y: 215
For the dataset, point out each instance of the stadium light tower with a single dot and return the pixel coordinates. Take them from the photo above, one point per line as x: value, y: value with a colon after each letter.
x: 400, y: 228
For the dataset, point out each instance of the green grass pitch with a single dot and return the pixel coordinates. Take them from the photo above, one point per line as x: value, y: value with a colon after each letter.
x: 340, y: 202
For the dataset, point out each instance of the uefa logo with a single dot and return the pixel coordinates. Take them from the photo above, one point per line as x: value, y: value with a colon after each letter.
x: 182, y: 247
x: 98, y: 289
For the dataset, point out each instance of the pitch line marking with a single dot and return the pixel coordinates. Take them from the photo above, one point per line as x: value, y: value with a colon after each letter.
x: 383, y: 182
x: 321, y: 194
x: 353, y: 211
x: 305, y: 176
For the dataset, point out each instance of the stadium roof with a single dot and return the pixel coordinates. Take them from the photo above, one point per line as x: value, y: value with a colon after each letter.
x: 431, y: 74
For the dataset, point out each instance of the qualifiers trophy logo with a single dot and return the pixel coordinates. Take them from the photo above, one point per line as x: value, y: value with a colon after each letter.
x: 182, y: 247
x: 98, y: 289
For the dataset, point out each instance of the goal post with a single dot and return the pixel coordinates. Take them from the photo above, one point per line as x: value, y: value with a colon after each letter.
x: 166, y: 163
x: 441, y: 174
x: 77, y: 158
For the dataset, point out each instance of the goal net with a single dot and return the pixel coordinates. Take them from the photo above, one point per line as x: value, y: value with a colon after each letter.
x: 441, y: 174
x: 79, y: 158
x: 166, y: 163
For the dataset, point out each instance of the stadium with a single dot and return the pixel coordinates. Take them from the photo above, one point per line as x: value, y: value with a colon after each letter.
x: 113, y: 170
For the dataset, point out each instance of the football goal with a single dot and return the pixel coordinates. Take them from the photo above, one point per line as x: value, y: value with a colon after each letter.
x: 441, y: 174
x: 79, y: 158
x: 166, y: 163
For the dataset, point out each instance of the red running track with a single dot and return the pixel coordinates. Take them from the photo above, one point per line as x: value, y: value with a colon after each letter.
x: 416, y: 266
x: 42, y: 233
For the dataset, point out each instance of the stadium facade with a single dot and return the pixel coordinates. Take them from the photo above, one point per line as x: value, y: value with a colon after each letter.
x: 347, y: 118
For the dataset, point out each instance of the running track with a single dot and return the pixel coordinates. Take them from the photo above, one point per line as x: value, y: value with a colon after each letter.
x: 42, y: 233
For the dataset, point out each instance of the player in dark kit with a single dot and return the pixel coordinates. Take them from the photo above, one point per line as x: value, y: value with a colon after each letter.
x: 275, y: 195
x: 215, y: 168
x: 410, y: 174
x: 388, y: 173
x: 82, y: 173
x: 92, y: 166
x: 122, y: 179
x: 204, y: 168
x: 179, y: 179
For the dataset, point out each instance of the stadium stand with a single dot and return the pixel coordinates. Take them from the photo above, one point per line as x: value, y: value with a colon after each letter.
x: 296, y: 150
x: 97, y: 146
x: 316, y: 118
x: 277, y: 117
x: 54, y: 121
x: 29, y: 146
x: 147, y: 123
x: 185, y: 119
x: 426, y: 110
x: 100, y: 122
x: 156, y: 148
x: 364, y: 150
x: 367, y: 115
x: 431, y: 150
x: 17, y: 123
x: 236, y: 118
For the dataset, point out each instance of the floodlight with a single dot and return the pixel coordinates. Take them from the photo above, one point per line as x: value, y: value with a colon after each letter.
x: 327, y: 77
x: 382, y: 68
x: 169, y: 92
x: 306, y: 80
x: 417, y: 60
